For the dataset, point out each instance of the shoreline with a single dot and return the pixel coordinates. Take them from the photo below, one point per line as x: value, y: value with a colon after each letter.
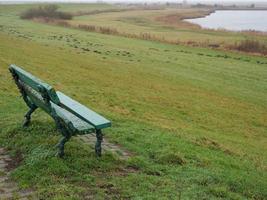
x: 218, y: 29
x: 209, y: 12
x: 178, y: 19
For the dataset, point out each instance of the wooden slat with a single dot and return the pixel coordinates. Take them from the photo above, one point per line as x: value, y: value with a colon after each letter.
x: 34, y: 82
x: 68, y: 117
x: 83, y: 112
x: 35, y: 97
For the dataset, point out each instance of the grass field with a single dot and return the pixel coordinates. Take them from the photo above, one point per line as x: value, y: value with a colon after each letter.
x: 167, y: 25
x: 194, y: 119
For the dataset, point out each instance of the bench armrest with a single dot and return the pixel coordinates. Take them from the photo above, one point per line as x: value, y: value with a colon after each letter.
x: 82, y: 112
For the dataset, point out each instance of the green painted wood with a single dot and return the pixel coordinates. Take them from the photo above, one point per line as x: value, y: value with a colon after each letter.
x: 71, y: 117
x: 69, y: 110
x: 35, y: 83
x: 68, y: 117
x: 82, y: 112
x: 35, y: 97
x: 38, y: 102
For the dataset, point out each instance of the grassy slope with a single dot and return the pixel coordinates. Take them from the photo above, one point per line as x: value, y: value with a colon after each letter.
x: 195, y: 121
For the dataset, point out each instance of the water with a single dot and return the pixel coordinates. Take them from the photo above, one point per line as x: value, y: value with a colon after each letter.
x: 235, y: 20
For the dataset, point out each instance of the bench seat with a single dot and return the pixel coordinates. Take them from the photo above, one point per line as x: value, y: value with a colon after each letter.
x: 82, y: 112
x: 78, y: 124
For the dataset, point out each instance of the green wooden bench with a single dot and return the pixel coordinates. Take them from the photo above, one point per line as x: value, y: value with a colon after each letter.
x: 71, y: 117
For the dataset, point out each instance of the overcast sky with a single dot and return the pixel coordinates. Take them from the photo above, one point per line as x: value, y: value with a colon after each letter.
x: 193, y: 1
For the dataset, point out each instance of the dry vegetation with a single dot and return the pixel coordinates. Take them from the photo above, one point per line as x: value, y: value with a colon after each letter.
x: 141, y: 21
x: 250, y: 46
x: 176, y: 19
x: 94, y: 12
x: 46, y: 11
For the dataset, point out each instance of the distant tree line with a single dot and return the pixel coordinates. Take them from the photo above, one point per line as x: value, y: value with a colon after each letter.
x: 45, y: 11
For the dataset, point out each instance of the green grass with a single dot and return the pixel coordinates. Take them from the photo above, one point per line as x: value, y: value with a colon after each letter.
x: 194, y: 119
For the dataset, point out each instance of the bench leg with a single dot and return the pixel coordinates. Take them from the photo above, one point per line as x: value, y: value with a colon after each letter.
x: 61, y: 144
x: 64, y: 131
x: 28, y: 116
x: 99, y: 139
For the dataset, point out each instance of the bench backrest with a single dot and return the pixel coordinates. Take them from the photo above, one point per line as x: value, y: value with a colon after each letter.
x: 37, y: 90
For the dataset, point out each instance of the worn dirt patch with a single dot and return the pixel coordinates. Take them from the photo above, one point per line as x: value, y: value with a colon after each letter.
x: 107, y: 146
x: 9, y: 190
x: 14, y: 162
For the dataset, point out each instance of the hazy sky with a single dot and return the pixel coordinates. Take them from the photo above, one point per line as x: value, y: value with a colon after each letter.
x: 214, y: 1
x: 148, y: 1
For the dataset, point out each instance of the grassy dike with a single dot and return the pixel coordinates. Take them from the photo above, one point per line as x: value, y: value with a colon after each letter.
x: 194, y: 119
